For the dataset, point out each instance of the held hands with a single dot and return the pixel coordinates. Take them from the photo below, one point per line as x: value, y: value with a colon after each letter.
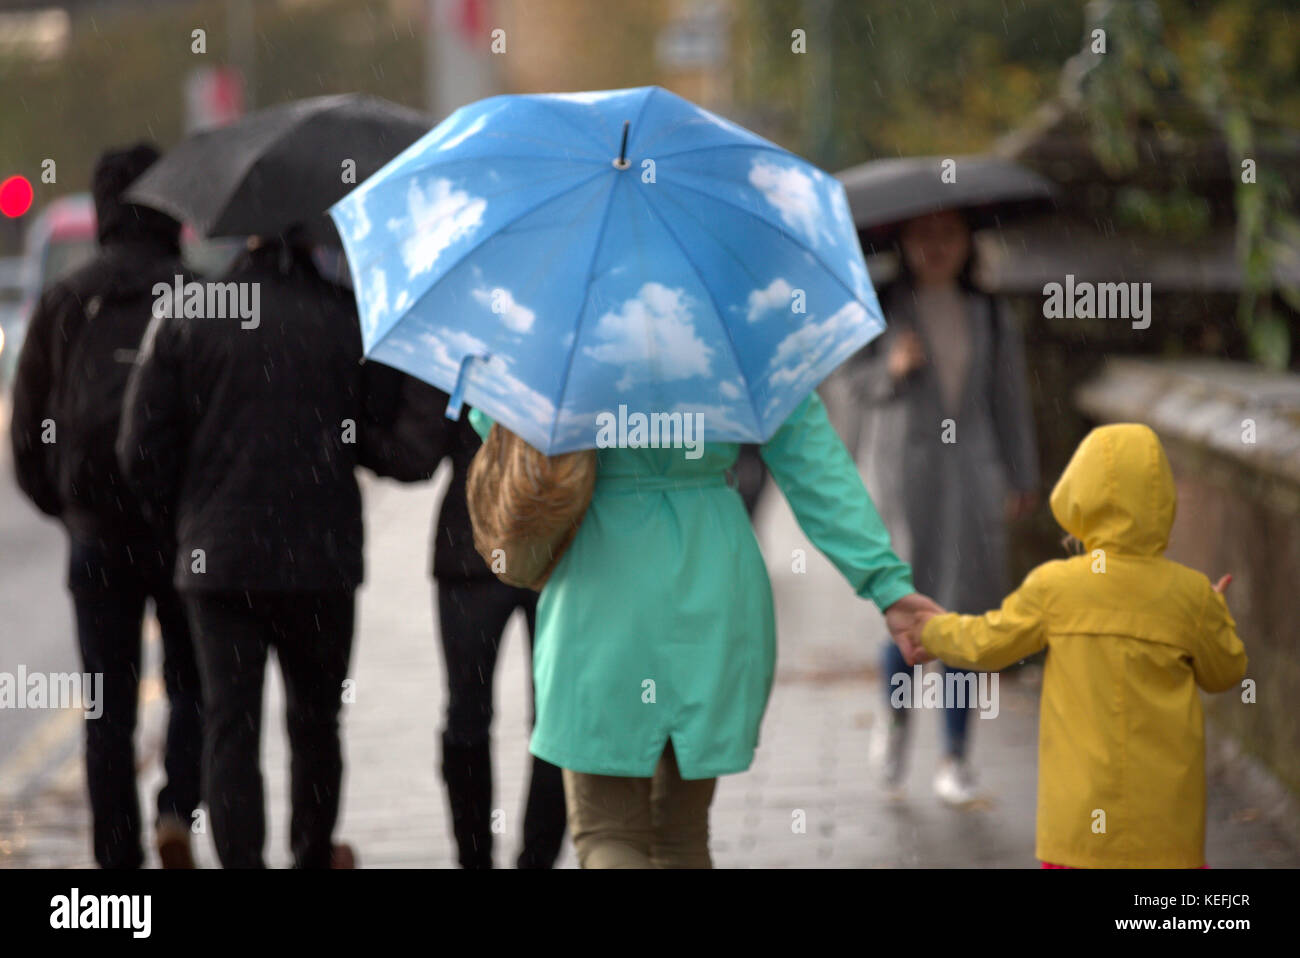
x: 905, y: 619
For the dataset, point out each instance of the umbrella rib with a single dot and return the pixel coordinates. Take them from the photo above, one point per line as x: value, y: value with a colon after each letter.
x: 770, y: 225
x: 722, y: 244
x: 582, y: 309
x: 472, y: 249
x: 717, y: 311
x: 292, y: 125
x: 410, y: 173
x: 540, y: 100
x: 769, y: 147
x: 586, y: 289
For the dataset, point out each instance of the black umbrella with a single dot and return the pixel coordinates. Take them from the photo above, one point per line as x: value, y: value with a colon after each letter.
x: 280, y: 166
x: 884, y: 194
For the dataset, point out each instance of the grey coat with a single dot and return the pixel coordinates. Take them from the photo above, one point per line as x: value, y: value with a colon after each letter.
x: 951, y: 495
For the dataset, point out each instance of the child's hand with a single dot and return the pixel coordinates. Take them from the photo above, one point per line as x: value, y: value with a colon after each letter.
x: 1221, y: 586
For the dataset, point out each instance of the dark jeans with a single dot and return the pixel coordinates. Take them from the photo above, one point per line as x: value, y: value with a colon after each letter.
x: 472, y: 615
x: 955, y: 720
x: 110, y: 583
x: 312, y: 636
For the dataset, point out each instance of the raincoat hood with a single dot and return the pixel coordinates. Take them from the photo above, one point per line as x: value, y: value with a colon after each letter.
x: 119, y: 221
x: 1117, y: 493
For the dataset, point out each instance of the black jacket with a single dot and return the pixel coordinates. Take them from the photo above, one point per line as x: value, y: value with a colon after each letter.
x: 245, y: 439
x: 76, y: 359
x: 420, y: 438
x: 454, y: 555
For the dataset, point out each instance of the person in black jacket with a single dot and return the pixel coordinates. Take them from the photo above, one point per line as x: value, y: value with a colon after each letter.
x: 473, y: 609
x: 66, y: 407
x: 243, y: 432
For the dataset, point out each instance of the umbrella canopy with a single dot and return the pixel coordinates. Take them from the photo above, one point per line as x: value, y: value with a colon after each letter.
x: 278, y: 166
x: 884, y: 194
x: 551, y: 258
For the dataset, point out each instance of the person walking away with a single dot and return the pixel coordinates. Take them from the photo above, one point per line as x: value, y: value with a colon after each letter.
x: 948, y: 381
x: 246, y: 431
x: 656, y: 637
x: 473, y: 609
x: 1130, y: 637
x: 67, y: 404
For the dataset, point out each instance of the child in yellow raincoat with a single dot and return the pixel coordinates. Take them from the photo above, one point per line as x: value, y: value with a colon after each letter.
x: 1130, y: 635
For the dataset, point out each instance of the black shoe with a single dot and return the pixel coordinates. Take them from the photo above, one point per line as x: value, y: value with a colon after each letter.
x: 467, y: 771
x: 544, y: 817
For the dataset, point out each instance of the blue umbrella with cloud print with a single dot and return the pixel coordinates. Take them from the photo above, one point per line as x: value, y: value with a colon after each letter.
x: 548, y: 258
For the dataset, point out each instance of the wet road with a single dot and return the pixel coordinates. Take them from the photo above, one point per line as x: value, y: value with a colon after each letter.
x: 35, y: 613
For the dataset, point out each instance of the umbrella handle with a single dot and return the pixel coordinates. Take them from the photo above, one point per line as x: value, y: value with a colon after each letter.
x: 456, y: 401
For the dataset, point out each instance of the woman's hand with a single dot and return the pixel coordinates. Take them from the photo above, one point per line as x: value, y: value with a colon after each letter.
x: 905, y: 355
x: 905, y: 619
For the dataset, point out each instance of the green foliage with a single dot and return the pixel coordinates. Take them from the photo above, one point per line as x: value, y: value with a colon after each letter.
x: 882, y: 78
x: 1268, y: 233
x: 885, y: 79
x: 1178, y: 212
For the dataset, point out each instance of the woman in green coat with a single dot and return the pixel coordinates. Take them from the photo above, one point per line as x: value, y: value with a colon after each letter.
x: 656, y: 640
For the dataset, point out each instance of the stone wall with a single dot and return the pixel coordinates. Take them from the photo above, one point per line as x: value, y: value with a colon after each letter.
x: 1232, y: 433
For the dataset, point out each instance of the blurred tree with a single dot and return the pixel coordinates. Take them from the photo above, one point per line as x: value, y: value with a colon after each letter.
x: 892, y: 79
x: 1135, y: 86
x: 882, y: 79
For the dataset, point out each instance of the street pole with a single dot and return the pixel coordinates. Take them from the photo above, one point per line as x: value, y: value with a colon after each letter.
x: 239, y: 37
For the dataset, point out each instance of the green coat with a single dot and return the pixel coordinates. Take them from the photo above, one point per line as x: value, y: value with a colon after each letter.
x: 657, y: 623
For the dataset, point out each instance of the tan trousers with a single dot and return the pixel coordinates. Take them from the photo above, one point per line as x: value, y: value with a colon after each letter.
x: 660, y: 822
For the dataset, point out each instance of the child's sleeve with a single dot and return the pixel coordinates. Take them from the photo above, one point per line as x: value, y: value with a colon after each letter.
x: 1220, y: 661
x: 996, y: 639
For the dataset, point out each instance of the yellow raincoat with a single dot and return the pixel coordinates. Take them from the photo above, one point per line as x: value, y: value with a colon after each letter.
x: 1130, y: 635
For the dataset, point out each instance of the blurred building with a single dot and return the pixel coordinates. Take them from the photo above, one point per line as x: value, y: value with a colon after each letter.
x: 563, y: 45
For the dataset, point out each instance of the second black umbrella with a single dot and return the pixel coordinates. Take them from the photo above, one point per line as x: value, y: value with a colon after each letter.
x: 280, y: 166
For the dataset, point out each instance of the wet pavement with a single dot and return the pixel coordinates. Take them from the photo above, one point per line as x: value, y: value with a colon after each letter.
x: 811, y: 798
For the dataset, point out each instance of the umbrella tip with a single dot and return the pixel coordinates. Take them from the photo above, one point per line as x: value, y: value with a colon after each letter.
x: 621, y: 163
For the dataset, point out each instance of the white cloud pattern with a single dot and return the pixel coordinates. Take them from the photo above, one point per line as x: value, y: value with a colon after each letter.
x: 792, y: 192
x: 775, y: 296
x: 501, y: 301
x: 439, y: 216
x: 652, y: 335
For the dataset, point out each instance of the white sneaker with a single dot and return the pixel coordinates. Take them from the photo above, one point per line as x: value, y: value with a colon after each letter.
x: 887, y: 748
x: 955, y: 783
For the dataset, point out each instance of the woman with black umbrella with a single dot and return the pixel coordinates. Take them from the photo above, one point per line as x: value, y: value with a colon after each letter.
x: 950, y: 374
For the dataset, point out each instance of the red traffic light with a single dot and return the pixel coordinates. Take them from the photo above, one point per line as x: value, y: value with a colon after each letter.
x: 15, y: 196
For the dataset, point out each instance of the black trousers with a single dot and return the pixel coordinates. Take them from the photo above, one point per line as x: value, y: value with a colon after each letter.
x: 311, y: 633
x: 110, y: 584
x: 472, y: 615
